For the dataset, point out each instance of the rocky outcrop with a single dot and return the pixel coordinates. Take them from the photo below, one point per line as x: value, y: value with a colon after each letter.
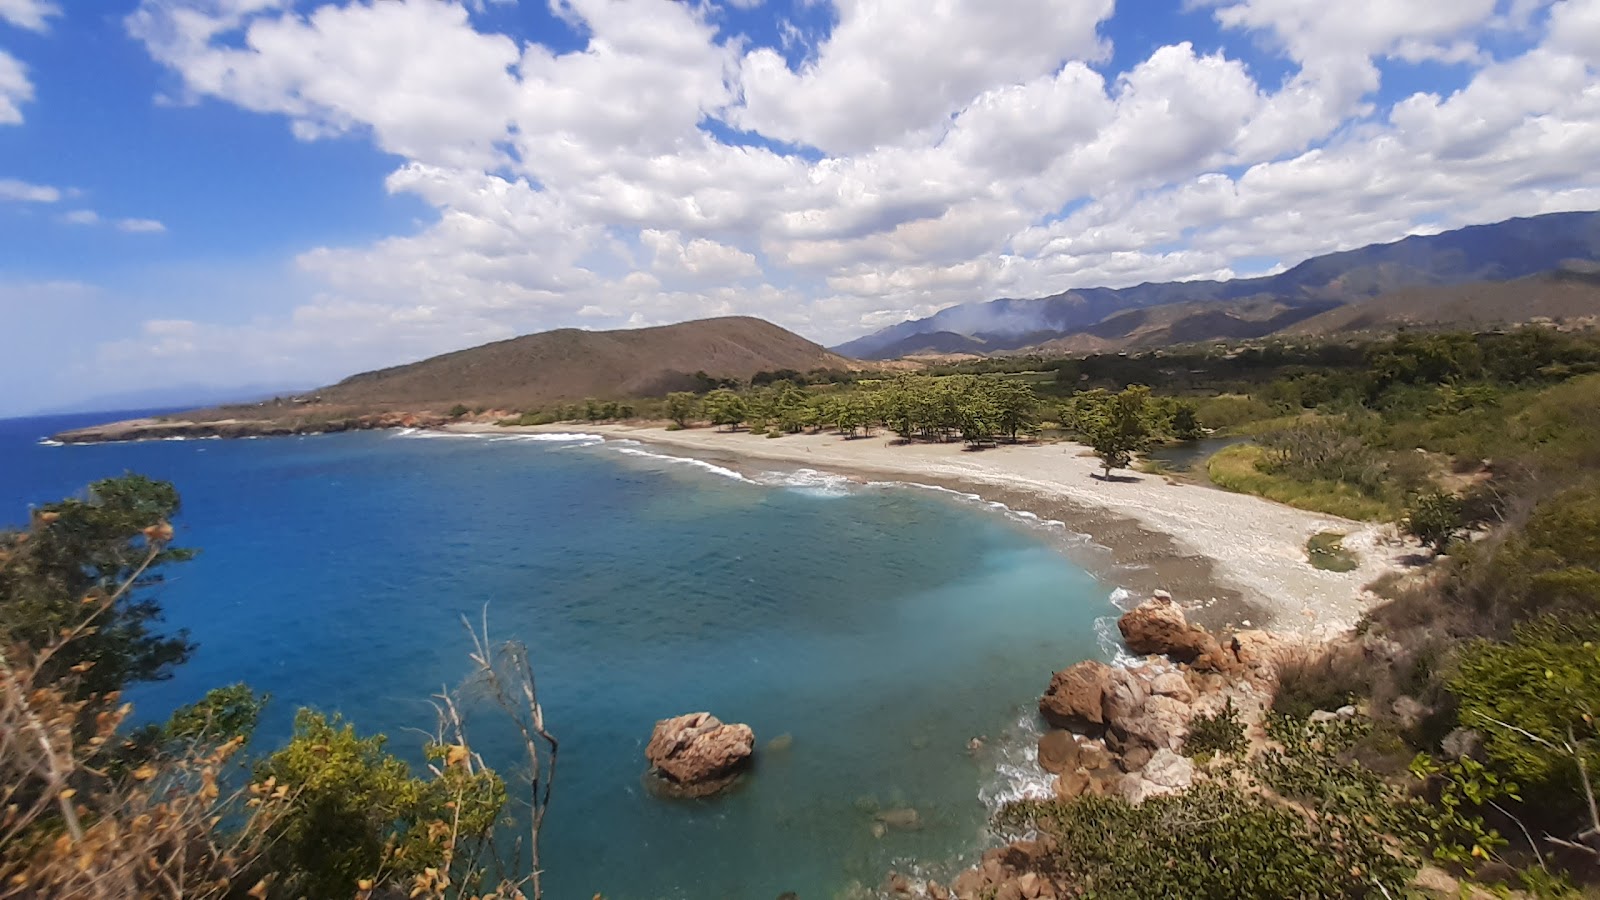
x: 174, y: 429
x: 1158, y: 627
x: 1075, y: 698
x: 696, y: 755
x: 1165, y: 773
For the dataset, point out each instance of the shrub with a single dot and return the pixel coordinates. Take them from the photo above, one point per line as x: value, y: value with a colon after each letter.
x: 1325, y: 681
x: 1212, y: 842
x: 1221, y: 733
x: 358, y: 813
x: 1534, y: 699
x: 1434, y: 518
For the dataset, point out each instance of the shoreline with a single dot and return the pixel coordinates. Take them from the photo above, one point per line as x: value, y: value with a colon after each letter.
x: 1234, y: 560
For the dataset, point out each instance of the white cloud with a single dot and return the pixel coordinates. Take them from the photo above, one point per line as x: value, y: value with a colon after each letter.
x: 33, y: 15
x: 15, y: 89
x: 22, y: 192
x: 81, y: 217
x: 967, y: 153
x: 140, y: 226
x: 698, y: 259
x: 893, y: 67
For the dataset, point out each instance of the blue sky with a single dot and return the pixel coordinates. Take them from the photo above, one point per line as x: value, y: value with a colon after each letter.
x: 282, y: 192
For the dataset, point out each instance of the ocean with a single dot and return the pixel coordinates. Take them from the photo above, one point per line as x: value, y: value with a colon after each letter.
x: 879, y: 628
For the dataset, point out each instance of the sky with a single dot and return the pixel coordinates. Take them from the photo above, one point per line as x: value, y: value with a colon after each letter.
x: 274, y: 193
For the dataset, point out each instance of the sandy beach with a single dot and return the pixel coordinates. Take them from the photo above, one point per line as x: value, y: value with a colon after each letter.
x: 1232, y: 558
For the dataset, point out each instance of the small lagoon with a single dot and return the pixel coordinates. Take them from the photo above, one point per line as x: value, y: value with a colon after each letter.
x: 882, y: 628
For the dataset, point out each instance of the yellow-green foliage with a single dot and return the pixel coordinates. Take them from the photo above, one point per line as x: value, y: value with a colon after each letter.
x: 1230, y: 411
x: 359, y: 813
x: 1535, y: 699
x: 1237, y: 468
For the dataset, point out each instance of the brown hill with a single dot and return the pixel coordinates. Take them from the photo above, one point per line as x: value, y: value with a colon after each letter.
x: 1565, y: 297
x: 570, y: 364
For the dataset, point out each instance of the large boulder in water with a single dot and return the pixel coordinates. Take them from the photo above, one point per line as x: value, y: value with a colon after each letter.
x: 697, y: 755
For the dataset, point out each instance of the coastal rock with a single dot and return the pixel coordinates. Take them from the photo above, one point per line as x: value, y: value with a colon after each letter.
x: 697, y: 755
x: 1161, y: 723
x: 1075, y: 698
x: 906, y: 819
x: 1174, y: 685
x: 1124, y: 695
x: 1158, y: 627
x: 1058, y: 752
x: 1165, y: 773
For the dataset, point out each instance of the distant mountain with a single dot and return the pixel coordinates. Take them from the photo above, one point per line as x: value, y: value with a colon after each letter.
x: 1508, y: 250
x: 569, y: 364
x: 1564, y: 296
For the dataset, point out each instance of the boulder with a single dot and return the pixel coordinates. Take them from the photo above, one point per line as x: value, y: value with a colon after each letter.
x: 1075, y: 698
x: 697, y: 755
x: 1125, y: 695
x: 1165, y: 773
x: 1161, y: 723
x: 1169, y: 770
x: 1058, y: 752
x: 1174, y: 685
x: 1158, y: 626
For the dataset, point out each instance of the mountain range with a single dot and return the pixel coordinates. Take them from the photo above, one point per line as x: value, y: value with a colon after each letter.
x: 1559, y: 249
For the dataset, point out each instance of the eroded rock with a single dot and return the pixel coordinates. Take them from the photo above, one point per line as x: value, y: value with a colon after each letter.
x: 1075, y: 698
x: 697, y: 755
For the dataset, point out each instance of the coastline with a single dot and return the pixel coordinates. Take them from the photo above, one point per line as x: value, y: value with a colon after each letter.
x: 1234, y: 560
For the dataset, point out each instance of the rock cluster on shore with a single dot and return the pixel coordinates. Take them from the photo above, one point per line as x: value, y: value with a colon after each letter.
x: 1119, y: 731
x: 696, y: 755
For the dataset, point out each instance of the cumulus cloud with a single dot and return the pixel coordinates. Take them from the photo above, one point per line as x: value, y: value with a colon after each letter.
x: 19, y: 191
x: 33, y: 15
x: 15, y: 89
x: 918, y: 155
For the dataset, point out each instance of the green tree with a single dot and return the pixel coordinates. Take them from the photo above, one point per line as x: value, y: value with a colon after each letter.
x: 76, y: 557
x: 724, y: 407
x: 682, y: 406
x: 1186, y: 422
x: 1016, y: 407
x: 1114, y: 425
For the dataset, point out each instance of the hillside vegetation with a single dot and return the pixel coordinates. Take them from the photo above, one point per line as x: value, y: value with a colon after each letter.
x: 570, y: 364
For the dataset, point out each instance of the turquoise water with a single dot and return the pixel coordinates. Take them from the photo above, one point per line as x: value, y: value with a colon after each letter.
x: 881, y: 627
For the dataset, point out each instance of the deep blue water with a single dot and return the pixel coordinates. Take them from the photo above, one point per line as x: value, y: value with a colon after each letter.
x: 881, y: 627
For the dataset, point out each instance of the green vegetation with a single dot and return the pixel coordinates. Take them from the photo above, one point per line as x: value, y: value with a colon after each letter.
x: 360, y: 814
x: 1221, y: 733
x: 1434, y: 518
x: 1326, y: 551
x: 1534, y: 699
x: 1114, y: 425
x: 1240, y: 468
